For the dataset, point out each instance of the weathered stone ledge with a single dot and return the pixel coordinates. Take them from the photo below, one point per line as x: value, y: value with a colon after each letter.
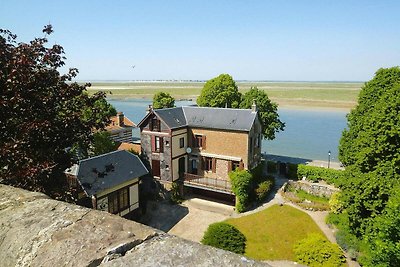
x: 38, y: 231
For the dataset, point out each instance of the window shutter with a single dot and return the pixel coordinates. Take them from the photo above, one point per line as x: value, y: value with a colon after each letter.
x: 203, y: 163
x: 214, y: 165
x: 204, y: 142
x: 153, y: 143
x: 161, y: 144
x: 230, y: 166
x: 241, y: 165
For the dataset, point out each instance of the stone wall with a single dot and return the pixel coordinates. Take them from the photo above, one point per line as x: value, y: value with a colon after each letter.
x: 38, y: 231
x: 316, y: 189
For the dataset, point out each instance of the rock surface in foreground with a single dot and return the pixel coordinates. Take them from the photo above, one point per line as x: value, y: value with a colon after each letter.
x: 38, y: 231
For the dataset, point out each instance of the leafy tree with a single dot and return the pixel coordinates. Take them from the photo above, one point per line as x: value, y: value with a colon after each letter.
x: 373, y: 132
x: 315, y: 250
x: 43, y: 114
x: 163, y: 100
x: 220, y: 91
x: 370, y: 148
x: 102, y: 143
x: 267, y: 111
x: 224, y: 236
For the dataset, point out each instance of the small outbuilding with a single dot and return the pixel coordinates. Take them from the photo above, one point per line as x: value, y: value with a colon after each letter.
x: 110, y: 180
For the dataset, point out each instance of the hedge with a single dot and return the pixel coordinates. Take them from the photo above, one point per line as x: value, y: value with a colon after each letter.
x: 241, y: 181
x: 224, y: 236
x: 312, y: 173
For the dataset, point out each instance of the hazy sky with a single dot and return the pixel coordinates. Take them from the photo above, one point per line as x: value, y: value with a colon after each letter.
x: 251, y: 40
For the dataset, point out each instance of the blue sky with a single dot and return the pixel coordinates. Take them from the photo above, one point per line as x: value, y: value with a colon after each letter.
x: 251, y: 40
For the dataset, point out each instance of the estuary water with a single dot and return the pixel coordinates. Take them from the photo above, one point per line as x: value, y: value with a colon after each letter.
x: 309, y: 133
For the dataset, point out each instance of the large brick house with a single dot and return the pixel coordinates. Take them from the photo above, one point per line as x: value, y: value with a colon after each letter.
x: 200, y: 145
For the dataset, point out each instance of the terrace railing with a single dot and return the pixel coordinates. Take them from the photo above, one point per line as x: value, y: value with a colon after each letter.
x: 212, y: 183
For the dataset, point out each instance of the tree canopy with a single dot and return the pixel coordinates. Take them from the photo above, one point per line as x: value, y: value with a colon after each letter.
x: 267, y: 111
x: 44, y: 114
x: 163, y: 100
x: 220, y: 91
x: 370, y: 149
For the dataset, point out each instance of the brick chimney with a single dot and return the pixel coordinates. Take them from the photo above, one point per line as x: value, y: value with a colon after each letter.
x: 120, y: 119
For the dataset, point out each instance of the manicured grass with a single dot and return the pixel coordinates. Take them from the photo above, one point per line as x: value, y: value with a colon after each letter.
x: 319, y: 94
x: 272, y: 233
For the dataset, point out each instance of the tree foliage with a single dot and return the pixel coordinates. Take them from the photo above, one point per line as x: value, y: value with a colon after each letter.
x: 373, y: 133
x: 43, y: 113
x: 220, y: 91
x: 370, y: 149
x: 224, y: 236
x: 102, y: 144
x: 267, y: 111
x: 163, y: 100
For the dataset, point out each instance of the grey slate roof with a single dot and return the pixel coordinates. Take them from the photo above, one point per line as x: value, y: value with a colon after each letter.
x: 206, y: 117
x: 173, y: 117
x: 220, y: 118
x: 109, y: 170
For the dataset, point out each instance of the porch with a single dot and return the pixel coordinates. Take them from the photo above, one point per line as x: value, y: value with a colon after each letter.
x: 212, y: 184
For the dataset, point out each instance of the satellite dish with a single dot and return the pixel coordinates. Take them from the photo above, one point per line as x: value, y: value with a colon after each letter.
x: 188, y: 150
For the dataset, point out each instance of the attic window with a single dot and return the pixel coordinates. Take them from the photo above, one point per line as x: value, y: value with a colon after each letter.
x: 155, y: 125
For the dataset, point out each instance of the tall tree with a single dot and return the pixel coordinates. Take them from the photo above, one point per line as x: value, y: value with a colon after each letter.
x: 372, y: 134
x: 163, y: 100
x: 220, y: 91
x: 43, y: 112
x: 370, y: 149
x: 267, y: 111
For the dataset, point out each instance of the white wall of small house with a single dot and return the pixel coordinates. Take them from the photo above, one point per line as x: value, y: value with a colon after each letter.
x: 102, y: 202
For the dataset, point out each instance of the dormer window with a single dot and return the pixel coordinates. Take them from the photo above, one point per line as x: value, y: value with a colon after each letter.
x: 155, y: 125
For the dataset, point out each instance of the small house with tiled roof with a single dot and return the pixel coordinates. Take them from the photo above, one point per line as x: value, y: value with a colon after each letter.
x: 110, y: 181
x: 200, y: 145
x: 120, y: 128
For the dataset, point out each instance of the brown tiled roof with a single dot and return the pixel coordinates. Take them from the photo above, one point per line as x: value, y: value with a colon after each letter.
x: 114, y: 123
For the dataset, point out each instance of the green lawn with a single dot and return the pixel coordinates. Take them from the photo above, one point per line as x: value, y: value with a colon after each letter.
x: 271, y: 233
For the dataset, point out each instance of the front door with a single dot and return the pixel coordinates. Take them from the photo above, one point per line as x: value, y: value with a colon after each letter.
x: 181, y: 167
x: 155, y: 167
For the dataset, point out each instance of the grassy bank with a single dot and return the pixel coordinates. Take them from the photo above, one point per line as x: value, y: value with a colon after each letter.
x: 272, y: 233
x: 306, y: 94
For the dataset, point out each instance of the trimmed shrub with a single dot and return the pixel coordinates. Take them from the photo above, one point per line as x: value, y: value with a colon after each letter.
x: 315, y: 250
x: 263, y: 189
x: 312, y: 173
x: 241, y: 181
x: 224, y: 236
x: 258, y: 173
x: 175, y: 194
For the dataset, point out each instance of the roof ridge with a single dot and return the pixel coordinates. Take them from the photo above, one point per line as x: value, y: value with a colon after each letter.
x: 244, y: 109
x: 103, y: 155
